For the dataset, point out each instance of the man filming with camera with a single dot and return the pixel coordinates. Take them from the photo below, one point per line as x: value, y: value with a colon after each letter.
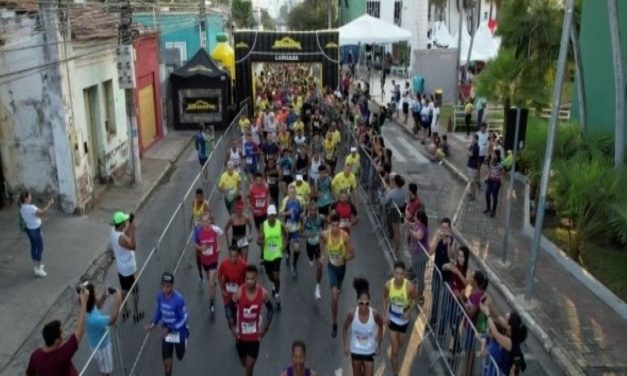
x: 124, y: 246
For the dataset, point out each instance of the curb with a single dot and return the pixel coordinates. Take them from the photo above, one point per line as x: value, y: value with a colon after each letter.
x: 555, y: 351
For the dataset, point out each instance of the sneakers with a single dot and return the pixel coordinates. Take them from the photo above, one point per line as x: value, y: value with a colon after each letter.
x: 311, y: 263
x: 277, y: 300
x: 39, y: 271
x: 334, y: 331
x: 199, y: 281
x: 212, y: 312
x: 317, y: 293
x: 294, y: 274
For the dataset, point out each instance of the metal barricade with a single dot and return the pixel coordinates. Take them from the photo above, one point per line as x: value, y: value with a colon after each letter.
x: 456, y: 341
x: 127, y: 337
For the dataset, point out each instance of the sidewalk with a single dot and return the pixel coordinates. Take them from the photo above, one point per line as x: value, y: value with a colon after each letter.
x: 583, y: 334
x: 74, y: 246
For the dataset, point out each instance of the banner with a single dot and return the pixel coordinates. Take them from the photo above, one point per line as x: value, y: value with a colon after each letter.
x: 320, y: 47
x: 200, y: 105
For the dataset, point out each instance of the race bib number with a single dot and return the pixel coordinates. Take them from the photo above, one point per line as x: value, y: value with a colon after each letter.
x: 242, y: 242
x: 231, y: 287
x: 292, y: 226
x: 173, y: 337
x: 335, y: 256
x: 272, y: 247
x: 397, y: 309
x: 230, y: 194
x: 271, y: 180
x: 249, y: 328
x: 314, y: 239
x: 249, y: 160
x: 286, y: 171
x: 345, y: 222
x: 329, y: 155
x: 260, y: 202
x: 363, y: 342
x: 208, y: 251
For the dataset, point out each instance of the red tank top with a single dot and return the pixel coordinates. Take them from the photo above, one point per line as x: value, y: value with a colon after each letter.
x: 345, y: 211
x: 208, y: 238
x: 249, y: 315
x: 259, y: 199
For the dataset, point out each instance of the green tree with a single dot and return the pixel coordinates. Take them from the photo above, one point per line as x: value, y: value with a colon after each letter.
x: 308, y: 15
x: 242, y: 12
x: 267, y: 21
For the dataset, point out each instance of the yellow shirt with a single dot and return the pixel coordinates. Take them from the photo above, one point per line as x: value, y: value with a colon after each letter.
x: 284, y: 139
x: 228, y: 182
x: 337, y: 137
x: 336, y: 248
x: 353, y: 162
x: 329, y: 148
x: 468, y: 108
x: 341, y: 182
x: 244, y: 124
x: 299, y: 126
x: 303, y: 191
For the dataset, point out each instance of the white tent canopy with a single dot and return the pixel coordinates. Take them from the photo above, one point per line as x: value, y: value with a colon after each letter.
x: 440, y: 35
x: 370, y: 30
x: 484, y: 47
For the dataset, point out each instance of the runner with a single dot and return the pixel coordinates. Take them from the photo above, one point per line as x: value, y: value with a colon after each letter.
x: 203, y: 141
x: 303, y: 190
x: 353, y: 161
x: 363, y: 332
x: 323, y: 191
x: 300, y: 141
x: 329, y: 147
x: 272, y: 177
x: 231, y: 274
x: 302, y: 162
x: 284, y: 138
x: 314, y: 168
x: 339, y: 251
x: 234, y: 155
x: 171, y: 311
x: 240, y: 224
x: 345, y: 180
x: 312, y: 227
x: 298, y: 368
x: 273, y: 239
x: 286, y: 165
x: 346, y: 211
x: 270, y: 149
x: 316, y: 145
x: 200, y: 206
x: 207, y: 244
x: 399, y: 300
x: 251, y: 156
x: 249, y: 330
x: 292, y: 208
x: 259, y: 199
x: 230, y: 185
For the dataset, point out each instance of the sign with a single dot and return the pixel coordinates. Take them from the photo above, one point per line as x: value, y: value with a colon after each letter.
x: 204, y: 105
x: 286, y: 58
x: 286, y: 43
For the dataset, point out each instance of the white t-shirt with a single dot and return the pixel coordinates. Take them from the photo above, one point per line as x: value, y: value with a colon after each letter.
x: 29, y: 214
x: 124, y: 257
x: 483, y: 143
x: 436, y: 119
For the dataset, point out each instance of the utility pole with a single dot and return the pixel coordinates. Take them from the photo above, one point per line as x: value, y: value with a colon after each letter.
x: 202, y: 23
x: 459, y: 56
x: 126, y: 80
x: 510, y: 191
x: 550, y: 143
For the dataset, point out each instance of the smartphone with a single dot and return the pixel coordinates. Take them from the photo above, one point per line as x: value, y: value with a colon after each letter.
x: 111, y: 290
x: 131, y: 217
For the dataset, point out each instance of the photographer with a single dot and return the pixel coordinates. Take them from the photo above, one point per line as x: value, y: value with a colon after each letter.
x: 97, y: 324
x: 123, y: 245
x: 55, y: 357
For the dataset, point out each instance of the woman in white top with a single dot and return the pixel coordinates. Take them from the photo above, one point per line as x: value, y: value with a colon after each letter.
x: 235, y: 155
x: 31, y: 215
x: 363, y: 331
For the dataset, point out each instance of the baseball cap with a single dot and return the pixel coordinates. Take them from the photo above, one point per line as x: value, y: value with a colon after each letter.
x: 271, y: 210
x: 167, y: 277
x: 299, y: 177
x: 120, y: 217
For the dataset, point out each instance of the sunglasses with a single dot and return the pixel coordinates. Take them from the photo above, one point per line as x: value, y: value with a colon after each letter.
x: 366, y: 303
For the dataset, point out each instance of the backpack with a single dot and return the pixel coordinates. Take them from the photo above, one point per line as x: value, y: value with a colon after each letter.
x: 20, y: 222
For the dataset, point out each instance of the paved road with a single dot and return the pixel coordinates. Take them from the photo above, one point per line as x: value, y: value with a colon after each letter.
x: 211, y: 346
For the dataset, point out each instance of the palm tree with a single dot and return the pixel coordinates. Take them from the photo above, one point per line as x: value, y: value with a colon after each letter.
x: 619, y: 85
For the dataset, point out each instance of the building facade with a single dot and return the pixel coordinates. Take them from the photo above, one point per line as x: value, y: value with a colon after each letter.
x: 63, y: 119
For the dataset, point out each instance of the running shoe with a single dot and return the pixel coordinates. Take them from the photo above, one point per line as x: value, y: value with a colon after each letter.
x: 212, y: 312
x: 317, y: 293
x: 199, y: 281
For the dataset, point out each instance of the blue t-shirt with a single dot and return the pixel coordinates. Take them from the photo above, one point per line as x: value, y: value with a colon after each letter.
x: 201, y: 145
x: 270, y: 149
x: 250, y: 152
x: 473, y: 158
x: 324, y: 191
x: 286, y: 166
x: 172, y: 312
x: 95, y: 327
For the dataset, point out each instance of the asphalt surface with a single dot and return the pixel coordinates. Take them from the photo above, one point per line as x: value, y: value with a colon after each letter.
x: 211, y: 347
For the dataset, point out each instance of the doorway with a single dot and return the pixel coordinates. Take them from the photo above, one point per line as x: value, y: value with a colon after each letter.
x: 92, y: 115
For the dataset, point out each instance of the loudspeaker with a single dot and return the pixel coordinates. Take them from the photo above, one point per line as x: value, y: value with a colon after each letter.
x: 510, y: 129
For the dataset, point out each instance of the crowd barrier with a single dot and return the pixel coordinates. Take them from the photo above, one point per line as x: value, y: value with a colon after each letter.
x: 447, y: 326
x: 128, y: 337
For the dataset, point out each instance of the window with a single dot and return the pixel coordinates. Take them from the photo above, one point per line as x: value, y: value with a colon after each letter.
x: 180, y: 46
x: 109, y: 119
x: 373, y: 8
x: 398, y: 10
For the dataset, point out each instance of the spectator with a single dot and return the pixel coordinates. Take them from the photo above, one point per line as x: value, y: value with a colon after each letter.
x: 418, y: 248
x: 97, y: 324
x: 506, y: 334
x: 442, y: 247
x: 473, y: 166
x: 493, y: 183
x: 55, y: 357
x: 31, y: 215
x: 483, y: 142
x: 468, y: 115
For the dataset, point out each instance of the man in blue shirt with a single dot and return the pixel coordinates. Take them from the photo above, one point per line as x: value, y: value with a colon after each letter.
x: 171, y: 311
x: 251, y: 156
x: 96, y: 325
x: 204, y: 143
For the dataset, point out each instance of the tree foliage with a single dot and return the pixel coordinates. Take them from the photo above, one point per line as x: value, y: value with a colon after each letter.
x: 267, y: 21
x: 308, y: 15
x: 242, y: 12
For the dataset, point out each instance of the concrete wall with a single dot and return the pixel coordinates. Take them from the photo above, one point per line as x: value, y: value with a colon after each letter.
x: 598, y: 70
x: 182, y: 27
x: 32, y: 112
